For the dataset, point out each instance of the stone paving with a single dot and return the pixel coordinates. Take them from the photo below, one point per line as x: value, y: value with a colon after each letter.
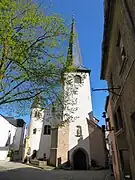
x: 18, y: 171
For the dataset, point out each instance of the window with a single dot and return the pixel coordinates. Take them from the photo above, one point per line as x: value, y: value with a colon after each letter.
x: 34, y: 131
x: 37, y: 114
x: 122, y: 52
x: 79, y: 131
x: 111, y: 82
x: 77, y: 79
x: 118, y: 120
x: 133, y: 122
x: 47, y: 130
x: 108, y: 123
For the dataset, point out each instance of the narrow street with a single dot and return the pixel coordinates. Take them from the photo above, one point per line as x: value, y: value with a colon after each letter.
x: 18, y: 171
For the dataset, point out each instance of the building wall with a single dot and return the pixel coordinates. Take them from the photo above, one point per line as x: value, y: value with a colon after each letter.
x: 98, y: 150
x: 45, y: 143
x: 123, y: 74
x: 35, y: 122
x: 12, y: 135
x: 18, y: 144
x: 112, y: 145
x: 78, y: 105
x: 62, y: 144
x: 54, y: 145
x: 4, y: 132
x: 3, y: 153
x: 17, y: 138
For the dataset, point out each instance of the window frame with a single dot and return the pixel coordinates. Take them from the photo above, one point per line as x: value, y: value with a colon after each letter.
x: 34, y: 130
x: 47, y: 130
x: 77, y: 79
x: 79, y: 131
x: 122, y: 53
x: 37, y: 114
x: 133, y: 122
x: 118, y: 120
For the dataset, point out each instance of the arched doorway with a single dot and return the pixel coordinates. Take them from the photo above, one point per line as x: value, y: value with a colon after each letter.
x: 80, y: 160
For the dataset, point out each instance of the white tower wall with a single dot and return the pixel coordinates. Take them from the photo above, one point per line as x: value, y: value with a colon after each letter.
x: 78, y: 102
x: 35, y: 122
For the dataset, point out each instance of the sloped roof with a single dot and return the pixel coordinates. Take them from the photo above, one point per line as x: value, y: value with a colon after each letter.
x: 74, y: 52
x: 37, y: 102
x: 15, y: 122
x: 91, y: 122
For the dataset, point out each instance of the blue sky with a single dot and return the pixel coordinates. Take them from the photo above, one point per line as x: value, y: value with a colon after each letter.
x: 89, y: 24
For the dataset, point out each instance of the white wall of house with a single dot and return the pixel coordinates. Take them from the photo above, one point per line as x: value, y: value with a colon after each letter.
x: 82, y: 106
x: 3, y: 153
x: 11, y: 134
x: 4, y: 131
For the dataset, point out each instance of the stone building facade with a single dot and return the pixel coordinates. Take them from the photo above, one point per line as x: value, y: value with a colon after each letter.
x: 98, y: 149
x: 118, y: 68
x: 111, y: 141
x: 59, y: 145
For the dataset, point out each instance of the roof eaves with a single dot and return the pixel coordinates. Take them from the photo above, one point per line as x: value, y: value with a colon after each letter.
x: 107, y: 12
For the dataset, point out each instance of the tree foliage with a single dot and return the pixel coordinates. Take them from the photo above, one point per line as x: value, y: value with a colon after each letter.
x: 31, y: 52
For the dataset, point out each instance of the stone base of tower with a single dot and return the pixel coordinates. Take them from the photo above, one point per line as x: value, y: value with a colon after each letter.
x: 60, y: 156
x: 59, y: 146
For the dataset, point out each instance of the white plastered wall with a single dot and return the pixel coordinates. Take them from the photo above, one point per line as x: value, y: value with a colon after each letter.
x: 34, y: 139
x: 79, y: 106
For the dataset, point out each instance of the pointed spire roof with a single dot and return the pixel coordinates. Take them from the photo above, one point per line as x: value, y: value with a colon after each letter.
x: 37, y: 102
x: 74, y: 53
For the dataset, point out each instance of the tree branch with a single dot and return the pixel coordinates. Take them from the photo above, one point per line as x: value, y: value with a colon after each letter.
x: 19, y: 99
x: 12, y: 89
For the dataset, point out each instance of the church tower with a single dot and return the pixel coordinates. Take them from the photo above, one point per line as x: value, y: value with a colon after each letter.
x: 77, y: 99
x: 36, y: 123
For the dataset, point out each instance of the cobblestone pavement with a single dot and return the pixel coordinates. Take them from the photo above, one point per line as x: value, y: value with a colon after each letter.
x: 18, y: 171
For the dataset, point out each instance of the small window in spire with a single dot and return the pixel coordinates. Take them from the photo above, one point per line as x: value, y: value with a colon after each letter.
x: 37, y: 114
x: 77, y: 79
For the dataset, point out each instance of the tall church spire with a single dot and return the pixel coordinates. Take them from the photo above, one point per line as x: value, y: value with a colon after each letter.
x: 74, y: 54
x: 37, y: 102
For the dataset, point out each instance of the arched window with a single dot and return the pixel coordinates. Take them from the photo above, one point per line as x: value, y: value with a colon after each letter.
x: 34, y: 131
x: 37, y: 114
x: 77, y: 79
x: 47, y: 130
x: 79, y: 131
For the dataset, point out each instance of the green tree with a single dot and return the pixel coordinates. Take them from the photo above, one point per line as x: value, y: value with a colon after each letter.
x: 31, y: 52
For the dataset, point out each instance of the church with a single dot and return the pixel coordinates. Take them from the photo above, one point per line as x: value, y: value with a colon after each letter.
x: 64, y: 140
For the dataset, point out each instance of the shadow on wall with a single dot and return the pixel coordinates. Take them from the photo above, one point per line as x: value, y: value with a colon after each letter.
x: 79, y: 158
x: 99, y: 152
